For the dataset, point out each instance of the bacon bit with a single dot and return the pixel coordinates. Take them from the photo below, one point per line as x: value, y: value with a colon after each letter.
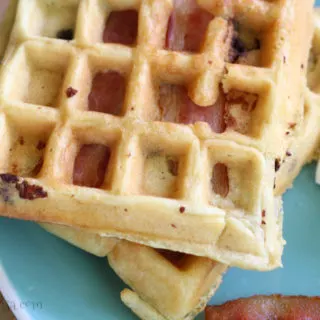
x: 277, y: 164
x: 107, y: 93
x: 173, y: 226
x: 30, y: 192
x: 187, y: 26
x: 173, y: 167
x: 9, y: 178
x: 267, y: 307
x: 121, y: 27
x: 65, y: 34
x: 90, y: 165
x: 182, y: 209
x: 288, y: 154
x: 41, y: 145
x: 220, y: 180
x: 70, y: 92
x: 175, y: 258
x: 21, y: 141
x: 292, y: 125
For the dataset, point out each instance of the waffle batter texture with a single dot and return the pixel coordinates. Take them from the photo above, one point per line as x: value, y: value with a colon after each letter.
x: 189, y: 135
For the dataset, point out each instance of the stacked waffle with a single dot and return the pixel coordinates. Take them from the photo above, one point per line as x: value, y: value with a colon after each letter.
x: 154, y: 125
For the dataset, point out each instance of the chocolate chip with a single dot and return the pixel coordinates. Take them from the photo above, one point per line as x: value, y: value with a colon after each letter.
x: 30, y: 192
x: 65, y: 34
x: 237, y: 49
x: 41, y: 145
x: 277, y: 164
x: 9, y: 178
x: 182, y: 209
x: 288, y: 154
x: 173, y: 226
x: 70, y: 92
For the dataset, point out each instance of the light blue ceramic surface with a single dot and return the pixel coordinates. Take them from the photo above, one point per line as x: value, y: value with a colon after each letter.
x: 56, y: 281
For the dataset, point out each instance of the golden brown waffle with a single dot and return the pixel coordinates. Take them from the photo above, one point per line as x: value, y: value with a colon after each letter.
x: 159, y: 183
x: 306, y: 138
x: 167, y: 285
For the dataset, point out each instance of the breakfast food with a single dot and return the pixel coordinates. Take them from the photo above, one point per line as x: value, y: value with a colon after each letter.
x: 166, y: 285
x: 267, y: 307
x: 150, y: 153
x: 314, y: 73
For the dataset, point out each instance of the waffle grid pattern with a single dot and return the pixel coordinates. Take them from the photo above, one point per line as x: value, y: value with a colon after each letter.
x: 44, y: 90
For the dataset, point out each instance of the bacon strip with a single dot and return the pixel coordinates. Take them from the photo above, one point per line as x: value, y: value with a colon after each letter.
x: 274, y: 307
x: 121, y: 27
x: 107, y: 93
x: 90, y: 165
x: 187, y: 26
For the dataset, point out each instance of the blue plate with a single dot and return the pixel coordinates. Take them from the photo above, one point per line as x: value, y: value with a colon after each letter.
x: 44, y: 278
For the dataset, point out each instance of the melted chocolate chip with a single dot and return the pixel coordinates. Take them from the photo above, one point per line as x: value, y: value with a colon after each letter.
x: 70, y: 92
x: 41, y: 145
x: 9, y: 178
x: 30, y: 192
x: 277, y: 164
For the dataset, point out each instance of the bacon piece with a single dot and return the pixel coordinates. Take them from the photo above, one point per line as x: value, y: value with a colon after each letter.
x: 214, y: 115
x: 187, y: 26
x: 107, y: 93
x: 90, y: 165
x: 121, y: 27
x: 267, y: 307
x: 220, y: 180
x: 176, y: 106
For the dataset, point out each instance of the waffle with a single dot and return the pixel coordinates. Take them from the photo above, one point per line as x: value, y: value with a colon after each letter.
x: 306, y: 138
x: 313, y: 76
x: 167, y: 285
x: 189, y: 175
